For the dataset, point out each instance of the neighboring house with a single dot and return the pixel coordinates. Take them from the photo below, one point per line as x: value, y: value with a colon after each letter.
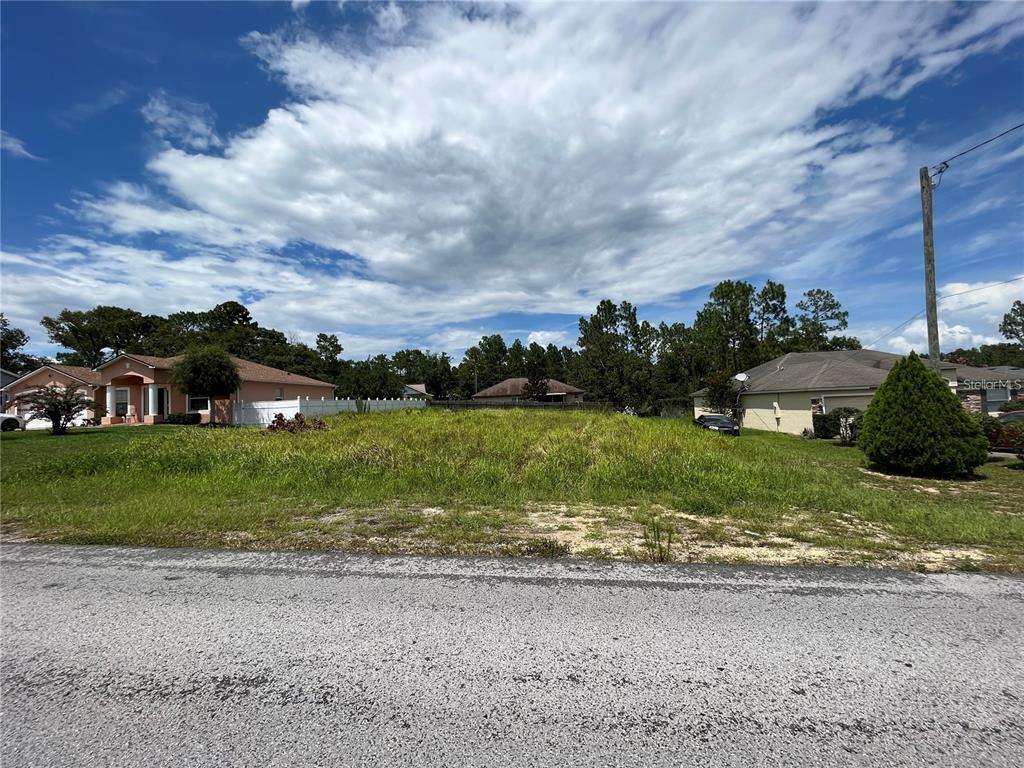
x: 6, y: 377
x: 983, y: 390
x: 139, y: 389
x: 511, y: 390
x: 86, y: 380
x: 416, y: 392
x: 783, y: 394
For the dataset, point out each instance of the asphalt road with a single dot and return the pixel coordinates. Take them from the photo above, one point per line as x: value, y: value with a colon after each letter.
x: 140, y: 657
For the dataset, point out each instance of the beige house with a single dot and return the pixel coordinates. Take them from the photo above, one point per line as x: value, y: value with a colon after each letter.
x: 783, y: 394
x: 85, y: 380
x: 138, y: 389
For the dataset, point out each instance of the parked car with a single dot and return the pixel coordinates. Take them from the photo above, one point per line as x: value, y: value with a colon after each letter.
x: 718, y: 423
x: 9, y: 422
x: 1002, y: 442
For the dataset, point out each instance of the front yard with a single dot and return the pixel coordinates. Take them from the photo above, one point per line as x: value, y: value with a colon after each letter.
x: 506, y: 482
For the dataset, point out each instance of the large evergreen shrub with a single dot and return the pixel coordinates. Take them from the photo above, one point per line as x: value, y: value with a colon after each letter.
x: 916, y: 424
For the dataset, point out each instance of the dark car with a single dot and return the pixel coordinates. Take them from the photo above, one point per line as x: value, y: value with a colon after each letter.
x: 718, y: 423
x: 1001, y: 442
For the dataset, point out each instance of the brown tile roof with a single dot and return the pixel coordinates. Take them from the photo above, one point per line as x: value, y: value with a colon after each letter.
x: 78, y: 371
x: 514, y: 388
x: 247, y: 369
x: 88, y: 375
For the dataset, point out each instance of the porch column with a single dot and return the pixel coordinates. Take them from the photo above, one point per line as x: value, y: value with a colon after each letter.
x: 110, y: 399
x: 152, y: 409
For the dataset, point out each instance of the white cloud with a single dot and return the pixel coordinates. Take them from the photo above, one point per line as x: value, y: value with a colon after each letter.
x: 12, y: 145
x: 534, y: 159
x: 390, y: 21
x: 558, y: 338
x: 86, y: 110
x: 299, y: 5
x: 951, y: 336
x: 180, y: 120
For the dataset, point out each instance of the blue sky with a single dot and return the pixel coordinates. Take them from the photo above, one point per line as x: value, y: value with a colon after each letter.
x: 418, y: 175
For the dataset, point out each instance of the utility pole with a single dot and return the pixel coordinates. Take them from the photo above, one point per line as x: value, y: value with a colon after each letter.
x: 929, y: 270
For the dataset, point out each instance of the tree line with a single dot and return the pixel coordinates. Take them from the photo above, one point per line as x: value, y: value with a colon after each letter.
x: 618, y: 358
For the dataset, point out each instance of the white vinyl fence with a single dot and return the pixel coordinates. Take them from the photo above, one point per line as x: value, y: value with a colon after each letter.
x: 262, y: 412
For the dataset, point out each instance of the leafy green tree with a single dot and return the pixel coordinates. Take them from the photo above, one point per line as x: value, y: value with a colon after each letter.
x: 12, y: 341
x: 721, y: 394
x: 822, y: 315
x: 209, y: 371
x: 93, y: 335
x: 515, y: 365
x: 329, y: 349
x: 1012, y: 326
x: 988, y: 354
x: 915, y: 424
x: 60, y: 405
x: 772, y: 320
x: 535, y: 368
x: 725, y: 327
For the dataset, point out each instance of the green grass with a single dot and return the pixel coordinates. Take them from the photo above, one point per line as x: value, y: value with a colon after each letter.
x: 473, y: 481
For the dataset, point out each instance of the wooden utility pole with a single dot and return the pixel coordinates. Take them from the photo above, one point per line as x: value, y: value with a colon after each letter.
x: 929, y: 270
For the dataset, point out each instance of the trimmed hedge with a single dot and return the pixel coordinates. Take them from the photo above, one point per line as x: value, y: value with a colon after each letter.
x: 826, y: 425
x: 916, y: 425
x: 183, y: 418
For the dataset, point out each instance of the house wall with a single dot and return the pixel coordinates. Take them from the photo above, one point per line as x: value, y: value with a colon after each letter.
x: 788, y: 411
x: 48, y: 378
x: 136, y: 377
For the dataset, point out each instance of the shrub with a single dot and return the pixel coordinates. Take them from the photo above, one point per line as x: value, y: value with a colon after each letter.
x: 916, y: 425
x: 1017, y: 439
x: 183, y: 418
x: 209, y: 371
x: 297, y: 424
x: 990, y: 426
x: 826, y: 425
x: 1012, y: 405
x: 848, y: 421
x: 59, y: 405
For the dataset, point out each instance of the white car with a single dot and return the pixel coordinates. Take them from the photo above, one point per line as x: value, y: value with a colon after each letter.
x: 9, y: 422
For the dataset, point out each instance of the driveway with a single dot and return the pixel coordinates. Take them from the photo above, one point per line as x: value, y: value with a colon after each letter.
x: 137, y: 657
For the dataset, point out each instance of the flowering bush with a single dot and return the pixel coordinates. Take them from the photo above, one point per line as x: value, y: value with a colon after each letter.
x: 297, y: 424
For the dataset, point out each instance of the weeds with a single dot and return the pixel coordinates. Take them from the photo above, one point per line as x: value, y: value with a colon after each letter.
x: 169, y: 484
x: 549, y: 548
x: 658, y: 538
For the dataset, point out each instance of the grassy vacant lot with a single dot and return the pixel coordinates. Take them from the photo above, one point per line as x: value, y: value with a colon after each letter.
x: 505, y: 482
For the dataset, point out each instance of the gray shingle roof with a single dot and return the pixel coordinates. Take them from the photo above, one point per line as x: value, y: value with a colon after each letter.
x: 812, y: 371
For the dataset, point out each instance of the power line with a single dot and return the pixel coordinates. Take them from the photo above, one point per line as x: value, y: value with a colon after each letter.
x: 909, y: 320
x: 942, y: 167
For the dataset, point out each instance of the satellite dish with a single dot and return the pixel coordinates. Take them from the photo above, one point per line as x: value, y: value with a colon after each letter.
x: 741, y: 377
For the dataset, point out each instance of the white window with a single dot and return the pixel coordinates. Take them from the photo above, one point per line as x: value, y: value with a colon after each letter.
x: 279, y: 393
x: 121, y: 401
x: 817, y: 405
x: 198, y: 403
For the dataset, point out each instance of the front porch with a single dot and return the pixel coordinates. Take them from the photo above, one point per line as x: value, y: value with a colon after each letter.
x: 131, y: 399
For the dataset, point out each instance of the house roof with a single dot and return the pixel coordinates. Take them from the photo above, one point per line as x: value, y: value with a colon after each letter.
x: 81, y: 373
x: 514, y: 388
x: 814, y: 371
x: 247, y: 369
x: 991, y: 373
x: 420, y: 389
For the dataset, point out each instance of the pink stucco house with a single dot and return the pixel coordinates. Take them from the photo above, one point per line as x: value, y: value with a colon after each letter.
x: 86, y: 380
x: 137, y: 389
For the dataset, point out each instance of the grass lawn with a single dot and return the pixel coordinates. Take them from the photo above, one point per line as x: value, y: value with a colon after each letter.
x: 505, y: 482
